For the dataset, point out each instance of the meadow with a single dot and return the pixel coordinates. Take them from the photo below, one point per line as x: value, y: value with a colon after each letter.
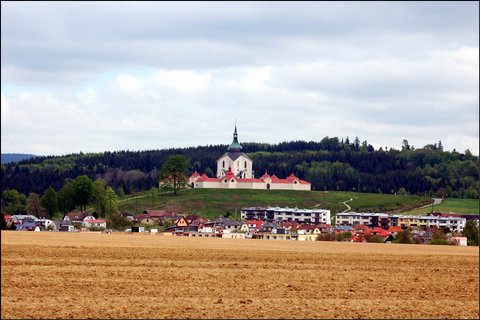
x: 91, y: 275
x: 214, y: 202
x: 463, y: 206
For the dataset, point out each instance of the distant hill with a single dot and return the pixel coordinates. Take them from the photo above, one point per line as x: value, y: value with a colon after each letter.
x: 15, y: 157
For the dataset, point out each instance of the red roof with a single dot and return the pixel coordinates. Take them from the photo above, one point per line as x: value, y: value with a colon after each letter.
x: 195, y: 174
x: 307, y: 227
x: 204, y: 177
x: 230, y: 175
x: 324, y: 226
x: 292, y: 225
x: 290, y: 179
x: 395, y: 229
x: 258, y: 223
x: 159, y: 213
x: 453, y: 215
x: 7, y: 216
x: 96, y: 221
x: 379, y: 232
x: 360, y: 227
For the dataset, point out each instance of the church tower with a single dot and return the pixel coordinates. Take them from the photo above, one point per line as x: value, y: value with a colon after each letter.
x: 235, y: 160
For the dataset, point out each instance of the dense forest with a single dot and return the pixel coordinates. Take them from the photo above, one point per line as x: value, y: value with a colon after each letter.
x: 331, y: 164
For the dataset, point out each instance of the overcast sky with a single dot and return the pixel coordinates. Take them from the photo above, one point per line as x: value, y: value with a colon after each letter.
x: 108, y: 76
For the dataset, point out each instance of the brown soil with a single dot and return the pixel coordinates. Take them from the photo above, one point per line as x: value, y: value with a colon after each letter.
x: 90, y: 275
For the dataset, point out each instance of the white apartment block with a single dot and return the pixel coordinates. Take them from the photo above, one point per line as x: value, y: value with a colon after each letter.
x: 287, y: 214
x: 404, y: 221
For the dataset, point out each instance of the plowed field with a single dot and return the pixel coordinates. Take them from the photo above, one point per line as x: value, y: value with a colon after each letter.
x: 90, y: 275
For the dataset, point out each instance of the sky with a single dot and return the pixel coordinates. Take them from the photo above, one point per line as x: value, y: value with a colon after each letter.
x: 107, y: 76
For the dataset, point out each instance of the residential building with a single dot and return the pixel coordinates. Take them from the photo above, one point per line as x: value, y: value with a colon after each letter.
x: 354, y: 218
x: 287, y: 214
x: 385, y: 220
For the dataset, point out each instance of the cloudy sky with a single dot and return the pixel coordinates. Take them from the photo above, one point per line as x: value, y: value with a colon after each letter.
x: 111, y: 76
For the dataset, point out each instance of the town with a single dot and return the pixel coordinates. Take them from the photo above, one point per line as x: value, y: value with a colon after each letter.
x: 273, y: 223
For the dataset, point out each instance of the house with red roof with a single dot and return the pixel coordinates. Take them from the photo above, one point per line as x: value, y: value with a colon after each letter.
x: 99, y: 223
x: 254, y: 225
x: 235, y: 171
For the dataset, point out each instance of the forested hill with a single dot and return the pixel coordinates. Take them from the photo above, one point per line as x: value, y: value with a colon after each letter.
x: 330, y: 164
x: 9, y: 157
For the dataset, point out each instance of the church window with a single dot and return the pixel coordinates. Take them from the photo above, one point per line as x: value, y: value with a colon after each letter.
x: 245, y: 165
x: 225, y: 180
x: 223, y: 164
x: 232, y: 180
x: 295, y: 182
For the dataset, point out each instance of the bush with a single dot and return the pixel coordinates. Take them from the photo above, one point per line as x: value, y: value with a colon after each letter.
x: 117, y: 222
x: 404, y: 237
x: 471, y: 232
x: 440, y: 242
x: 95, y: 228
x: 344, y: 236
x: 326, y: 237
x: 373, y: 238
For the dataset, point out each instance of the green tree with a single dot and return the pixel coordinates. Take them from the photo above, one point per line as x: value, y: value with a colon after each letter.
x: 120, y: 192
x: 117, y: 222
x: 172, y: 174
x: 13, y: 202
x: 439, y: 237
x: 83, y: 191
x: 405, y: 145
x: 344, y: 236
x: 111, y: 202
x: 167, y: 223
x: 471, y: 232
x: 66, y: 197
x: 404, y: 237
x: 153, y: 193
x: 402, y: 192
x: 99, y: 199
x: 34, y: 207
x: 49, y: 201
x: 209, y: 172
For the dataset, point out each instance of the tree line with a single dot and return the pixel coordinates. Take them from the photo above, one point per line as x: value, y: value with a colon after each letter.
x: 330, y: 164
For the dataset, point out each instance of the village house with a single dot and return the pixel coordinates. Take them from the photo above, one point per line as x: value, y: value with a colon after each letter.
x: 45, y: 224
x: 127, y: 215
x: 181, y: 227
x: 97, y: 223
x: 64, y: 225
x: 76, y: 216
x: 21, y: 218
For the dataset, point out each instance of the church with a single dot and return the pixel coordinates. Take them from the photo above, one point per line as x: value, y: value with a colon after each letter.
x: 235, y: 171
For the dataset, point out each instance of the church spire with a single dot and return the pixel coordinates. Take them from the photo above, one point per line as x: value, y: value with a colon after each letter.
x: 235, y: 146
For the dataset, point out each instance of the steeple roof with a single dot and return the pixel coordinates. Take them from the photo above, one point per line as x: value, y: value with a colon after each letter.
x: 235, y: 146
